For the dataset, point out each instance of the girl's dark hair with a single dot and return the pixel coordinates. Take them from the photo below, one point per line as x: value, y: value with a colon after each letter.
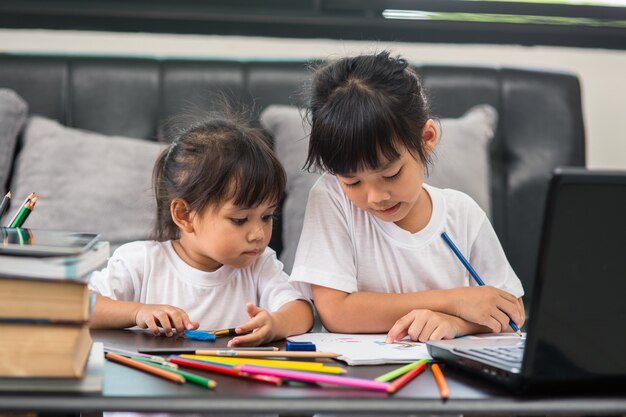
x: 211, y: 162
x: 362, y: 108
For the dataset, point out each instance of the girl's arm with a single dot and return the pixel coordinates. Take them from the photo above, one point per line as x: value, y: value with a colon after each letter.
x: 369, y: 312
x: 116, y: 314
x: 295, y: 317
x: 113, y: 314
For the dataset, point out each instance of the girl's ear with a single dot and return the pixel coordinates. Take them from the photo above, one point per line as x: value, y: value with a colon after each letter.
x: 429, y: 136
x: 181, y: 215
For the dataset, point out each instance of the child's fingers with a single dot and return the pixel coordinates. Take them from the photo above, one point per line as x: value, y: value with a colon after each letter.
x: 250, y: 326
x: 427, y: 329
x: 502, y: 318
x: 251, y: 339
x: 399, y: 329
x: 441, y: 332
x: 494, y: 325
x: 178, y: 322
x: 150, y: 323
x: 252, y: 310
x: 190, y: 325
x: 511, y: 310
x: 415, y: 329
x: 164, y: 321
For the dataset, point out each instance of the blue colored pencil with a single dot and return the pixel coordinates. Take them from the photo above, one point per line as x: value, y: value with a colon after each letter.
x: 473, y: 273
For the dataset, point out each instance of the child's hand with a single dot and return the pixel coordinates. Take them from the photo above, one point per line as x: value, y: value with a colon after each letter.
x: 424, y: 325
x: 488, y: 306
x: 153, y: 316
x: 260, y: 328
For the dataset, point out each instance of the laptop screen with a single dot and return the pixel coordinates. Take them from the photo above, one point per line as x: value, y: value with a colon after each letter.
x: 578, y: 316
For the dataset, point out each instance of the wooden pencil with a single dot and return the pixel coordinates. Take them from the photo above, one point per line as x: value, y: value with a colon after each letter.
x: 27, y: 200
x: 270, y: 354
x: 170, y: 376
x: 5, y: 203
x: 224, y: 369
x: 193, y: 350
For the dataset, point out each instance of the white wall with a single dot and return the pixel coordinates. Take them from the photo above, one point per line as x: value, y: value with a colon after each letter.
x: 602, y: 72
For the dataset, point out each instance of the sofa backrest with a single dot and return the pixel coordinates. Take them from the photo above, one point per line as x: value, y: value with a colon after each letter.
x: 539, y: 115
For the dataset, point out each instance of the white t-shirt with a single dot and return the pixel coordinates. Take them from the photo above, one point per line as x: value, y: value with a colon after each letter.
x: 348, y: 249
x: 151, y: 272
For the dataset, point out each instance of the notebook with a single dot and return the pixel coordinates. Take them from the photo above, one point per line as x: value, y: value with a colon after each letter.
x: 575, y: 332
x: 365, y: 349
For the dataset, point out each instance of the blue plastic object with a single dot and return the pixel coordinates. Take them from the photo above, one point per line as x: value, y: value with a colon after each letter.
x: 300, y: 346
x: 200, y: 335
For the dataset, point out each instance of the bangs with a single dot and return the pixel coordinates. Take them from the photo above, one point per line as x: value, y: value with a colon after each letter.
x: 354, y: 131
x: 255, y: 176
x: 256, y: 180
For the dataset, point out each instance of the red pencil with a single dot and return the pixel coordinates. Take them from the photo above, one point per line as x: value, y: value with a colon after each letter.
x: 224, y: 370
x: 404, y: 379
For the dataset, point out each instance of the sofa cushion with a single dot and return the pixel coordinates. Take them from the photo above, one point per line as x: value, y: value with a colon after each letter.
x: 461, y: 161
x: 86, y: 181
x: 291, y: 143
x: 13, y: 112
x: 461, y: 158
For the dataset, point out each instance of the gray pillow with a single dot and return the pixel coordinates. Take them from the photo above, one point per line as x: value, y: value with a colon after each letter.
x: 461, y: 158
x: 291, y: 142
x: 461, y: 161
x: 86, y: 181
x: 13, y: 111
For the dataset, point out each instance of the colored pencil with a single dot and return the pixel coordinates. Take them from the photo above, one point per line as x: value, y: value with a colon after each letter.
x: 441, y: 381
x: 4, y: 205
x: 400, y: 371
x: 407, y: 377
x: 225, y: 332
x: 25, y: 212
x: 170, y: 375
x: 473, y: 273
x: 31, y: 195
x: 223, y: 369
x: 315, y: 378
x: 295, y: 365
x: 258, y: 354
x: 193, y: 378
x: 192, y: 351
x: 156, y: 359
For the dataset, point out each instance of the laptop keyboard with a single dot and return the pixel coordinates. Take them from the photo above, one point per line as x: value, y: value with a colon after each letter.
x: 509, y: 354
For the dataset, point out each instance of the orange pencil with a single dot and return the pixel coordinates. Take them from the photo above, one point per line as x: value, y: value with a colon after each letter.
x: 145, y: 367
x: 441, y: 381
x: 404, y: 379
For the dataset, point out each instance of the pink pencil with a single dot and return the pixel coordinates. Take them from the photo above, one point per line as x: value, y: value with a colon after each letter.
x: 315, y: 377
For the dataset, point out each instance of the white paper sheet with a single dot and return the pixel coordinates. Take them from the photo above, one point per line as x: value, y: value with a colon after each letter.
x: 365, y: 349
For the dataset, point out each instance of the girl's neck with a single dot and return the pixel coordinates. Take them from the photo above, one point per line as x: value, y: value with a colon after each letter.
x: 203, y: 264
x: 419, y: 215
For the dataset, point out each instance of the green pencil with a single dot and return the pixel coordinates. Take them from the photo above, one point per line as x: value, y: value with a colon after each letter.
x: 24, y: 212
x: 400, y: 371
x: 196, y: 379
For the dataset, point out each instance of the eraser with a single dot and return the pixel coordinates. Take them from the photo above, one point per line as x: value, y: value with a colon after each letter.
x: 200, y: 335
x: 300, y: 346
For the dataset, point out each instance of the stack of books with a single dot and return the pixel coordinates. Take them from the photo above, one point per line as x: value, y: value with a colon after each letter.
x: 45, y: 307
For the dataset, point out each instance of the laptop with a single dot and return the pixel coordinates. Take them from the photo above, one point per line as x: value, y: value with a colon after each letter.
x: 576, y: 331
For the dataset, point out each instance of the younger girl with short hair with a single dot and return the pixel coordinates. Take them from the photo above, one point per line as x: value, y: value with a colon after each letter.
x: 217, y: 187
x: 371, y: 246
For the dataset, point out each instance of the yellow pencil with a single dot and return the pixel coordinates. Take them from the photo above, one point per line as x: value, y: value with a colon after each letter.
x: 294, y: 365
x: 266, y: 354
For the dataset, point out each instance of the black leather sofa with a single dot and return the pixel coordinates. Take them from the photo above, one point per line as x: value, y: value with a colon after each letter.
x: 540, y: 118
